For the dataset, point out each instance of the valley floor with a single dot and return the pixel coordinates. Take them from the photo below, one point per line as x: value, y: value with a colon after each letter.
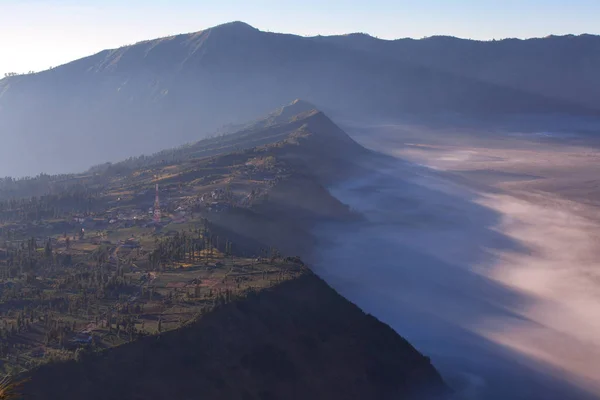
x: 481, y: 251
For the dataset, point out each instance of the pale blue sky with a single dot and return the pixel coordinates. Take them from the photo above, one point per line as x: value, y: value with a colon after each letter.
x: 37, y: 34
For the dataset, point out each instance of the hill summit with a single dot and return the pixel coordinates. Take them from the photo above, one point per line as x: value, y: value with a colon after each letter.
x: 295, y: 108
x: 235, y: 27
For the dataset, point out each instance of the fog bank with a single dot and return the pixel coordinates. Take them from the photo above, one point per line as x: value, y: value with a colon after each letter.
x: 499, y: 287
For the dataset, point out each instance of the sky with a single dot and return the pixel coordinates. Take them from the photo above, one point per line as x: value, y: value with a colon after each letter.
x: 38, y: 34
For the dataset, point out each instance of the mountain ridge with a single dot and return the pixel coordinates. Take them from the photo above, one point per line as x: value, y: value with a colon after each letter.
x: 245, y: 27
x: 165, y: 92
x: 238, y: 27
x: 559, y: 66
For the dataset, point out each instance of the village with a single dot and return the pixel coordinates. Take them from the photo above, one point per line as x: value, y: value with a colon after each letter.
x: 102, y: 288
x: 139, y: 258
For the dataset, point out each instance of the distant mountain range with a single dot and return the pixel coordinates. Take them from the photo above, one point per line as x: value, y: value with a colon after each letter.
x: 558, y: 67
x: 165, y: 92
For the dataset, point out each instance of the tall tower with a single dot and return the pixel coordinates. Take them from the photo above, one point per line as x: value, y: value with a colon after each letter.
x: 156, y: 207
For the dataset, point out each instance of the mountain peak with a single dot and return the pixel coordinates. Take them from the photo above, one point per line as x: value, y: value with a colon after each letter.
x: 235, y: 27
x: 360, y: 35
x: 299, y: 106
x: 296, y: 107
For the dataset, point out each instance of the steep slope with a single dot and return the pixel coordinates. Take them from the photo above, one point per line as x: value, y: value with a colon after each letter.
x: 562, y: 67
x: 299, y: 132
x: 287, y: 335
x: 165, y: 92
x: 299, y: 340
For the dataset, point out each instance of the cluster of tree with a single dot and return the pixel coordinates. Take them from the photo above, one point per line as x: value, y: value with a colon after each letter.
x: 26, y: 258
x: 125, y: 325
x: 43, y: 184
x: 100, y: 282
x: 91, y: 285
x: 49, y: 206
x: 58, y: 331
x: 22, y: 323
x: 55, y: 329
x: 193, y: 246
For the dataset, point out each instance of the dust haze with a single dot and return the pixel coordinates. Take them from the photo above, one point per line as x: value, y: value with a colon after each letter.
x: 481, y: 248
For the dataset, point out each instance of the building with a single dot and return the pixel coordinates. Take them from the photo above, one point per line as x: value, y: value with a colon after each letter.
x: 82, y: 338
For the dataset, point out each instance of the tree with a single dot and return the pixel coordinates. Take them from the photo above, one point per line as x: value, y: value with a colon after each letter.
x: 80, y: 354
x: 48, y: 248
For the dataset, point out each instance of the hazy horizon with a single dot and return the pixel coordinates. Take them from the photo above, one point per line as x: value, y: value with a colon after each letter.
x: 72, y: 31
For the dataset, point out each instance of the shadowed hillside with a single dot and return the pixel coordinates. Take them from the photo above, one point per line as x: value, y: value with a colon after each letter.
x: 165, y: 92
x: 299, y: 340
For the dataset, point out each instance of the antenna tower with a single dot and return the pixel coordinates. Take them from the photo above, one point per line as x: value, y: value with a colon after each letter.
x: 156, y: 207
